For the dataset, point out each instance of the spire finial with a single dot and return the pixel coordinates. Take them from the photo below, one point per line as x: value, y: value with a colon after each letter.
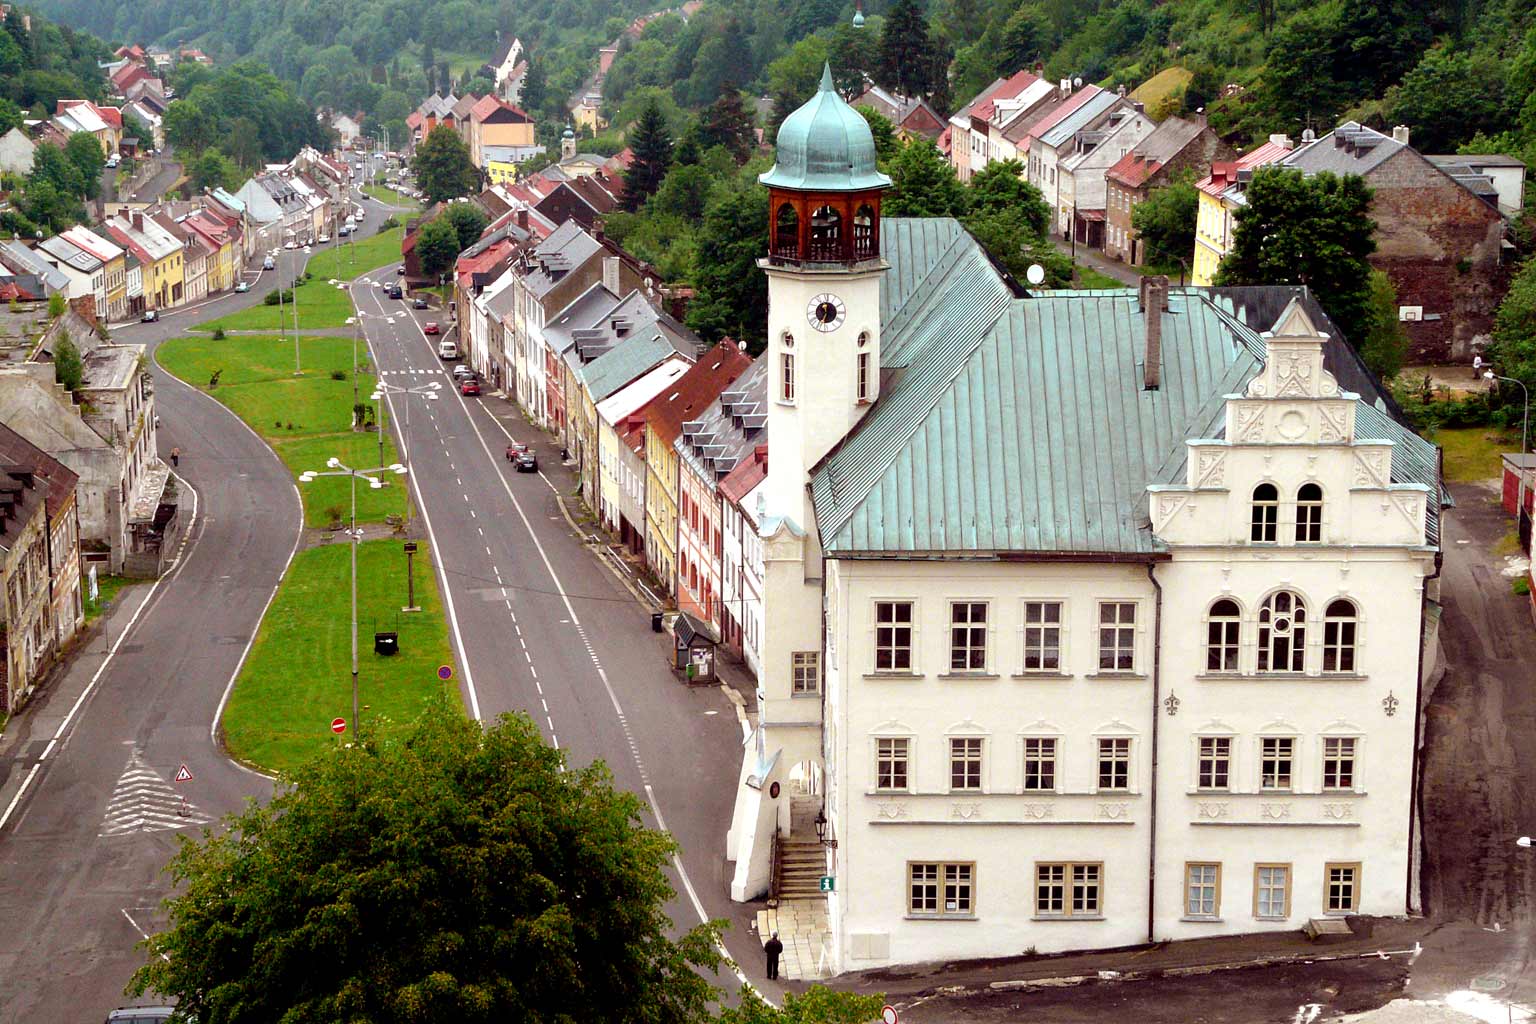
x: 827, y: 85
x: 858, y: 14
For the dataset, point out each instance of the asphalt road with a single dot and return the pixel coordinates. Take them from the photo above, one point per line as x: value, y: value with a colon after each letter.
x: 76, y: 901
x: 541, y: 627
x: 154, y: 187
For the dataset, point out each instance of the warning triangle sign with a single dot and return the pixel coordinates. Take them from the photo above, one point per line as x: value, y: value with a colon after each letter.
x: 183, y: 774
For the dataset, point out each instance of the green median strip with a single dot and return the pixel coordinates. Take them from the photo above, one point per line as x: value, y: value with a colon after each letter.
x: 298, y: 676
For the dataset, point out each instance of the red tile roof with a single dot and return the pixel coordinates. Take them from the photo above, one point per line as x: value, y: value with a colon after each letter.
x: 1058, y: 115
x: 1005, y: 90
x: 690, y: 397
x: 1224, y: 172
x: 112, y: 115
x: 10, y: 291
x: 1132, y: 170
x: 738, y: 483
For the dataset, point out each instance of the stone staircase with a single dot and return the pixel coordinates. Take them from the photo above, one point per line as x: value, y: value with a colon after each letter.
x: 801, y: 863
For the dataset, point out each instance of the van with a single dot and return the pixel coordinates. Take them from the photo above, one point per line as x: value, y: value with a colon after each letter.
x: 447, y: 350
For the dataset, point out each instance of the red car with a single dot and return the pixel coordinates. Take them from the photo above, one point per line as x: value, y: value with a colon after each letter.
x: 432, y: 328
x: 469, y: 386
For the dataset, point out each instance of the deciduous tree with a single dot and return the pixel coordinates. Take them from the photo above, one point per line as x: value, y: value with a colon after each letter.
x: 1165, y: 221
x: 923, y: 183
x: 437, y: 246
x: 732, y: 291
x: 84, y: 151
x: 68, y: 368
x: 442, y: 166
x: 1000, y: 186
x: 468, y: 221
x: 1385, y: 343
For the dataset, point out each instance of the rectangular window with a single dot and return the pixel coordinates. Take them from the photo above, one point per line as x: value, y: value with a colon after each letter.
x: 965, y: 762
x: 1114, y: 763
x: 1215, y: 770
x: 892, y: 761
x: 787, y: 378
x: 1339, y: 762
x: 893, y: 636
x: 805, y: 667
x: 968, y: 636
x: 1117, y: 636
x: 1277, y: 755
x: 958, y: 889
x: 1272, y: 891
x: 1202, y: 890
x: 1040, y: 765
x: 1052, y: 898
x: 1342, y: 881
x: 863, y: 395
x: 1042, y: 636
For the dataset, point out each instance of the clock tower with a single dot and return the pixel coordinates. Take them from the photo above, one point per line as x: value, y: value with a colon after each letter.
x: 824, y: 270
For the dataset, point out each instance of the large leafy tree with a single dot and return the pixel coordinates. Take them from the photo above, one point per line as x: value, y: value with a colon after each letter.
x: 1314, y: 231
x: 213, y: 170
x: 84, y: 151
x: 1165, y: 221
x: 1385, y: 344
x: 1448, y: 97
x: 923, y: 183
x: 1513, y: 352
x: 456, y: 873
x: 437, y: 246
x: 1000, y: 186
x: 468, y: 222
x: 732, y: 292
x: 188, y: 127
x: 651, y: 142
x: 442, y: 166
x: 52, y: 166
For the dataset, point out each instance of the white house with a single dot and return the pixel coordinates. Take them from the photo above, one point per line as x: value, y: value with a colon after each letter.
x: 16, y: 151
x: 1063, y: 659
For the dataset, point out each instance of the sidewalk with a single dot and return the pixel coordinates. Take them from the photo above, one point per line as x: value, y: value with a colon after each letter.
x: 1090, y: 257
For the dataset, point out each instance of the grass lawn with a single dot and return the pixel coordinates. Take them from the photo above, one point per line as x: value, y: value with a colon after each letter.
x: 385, y: 194
x: 1167, y: 82
x: 307, y: 419
x: 1472, y: 453
x: 320, y: 305
x: 298, y: 676
x: 107, y: 588
x: 345, y: 261
x: 1087, y: 277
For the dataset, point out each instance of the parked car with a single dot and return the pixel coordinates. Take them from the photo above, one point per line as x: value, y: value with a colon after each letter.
x: 461, y: 371
x: 290, y: 244
x: 400, y: 270
x: 141, y: 1015
x: 269, y: 264
x: 243, y: 286
x: 469, y: 386
x: 114, y: 160
x: 432, y: 328
x: 447, y: 350
x: 526, y: 461
x: 419, y: 303
x: 344, y: 230
x: 323, y: 239
x: 150, y: 316
x: 395, y: 292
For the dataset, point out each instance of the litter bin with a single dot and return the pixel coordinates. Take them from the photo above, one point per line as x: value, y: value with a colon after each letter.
x: 655, y: 622
x: 387, y: 644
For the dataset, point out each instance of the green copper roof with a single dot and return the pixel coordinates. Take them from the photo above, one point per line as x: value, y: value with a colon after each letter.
x: 825, y: 146
x: 1020, y: 424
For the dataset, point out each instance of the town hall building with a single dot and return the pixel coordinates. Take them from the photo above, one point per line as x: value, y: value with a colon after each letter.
x: 1089, y: 618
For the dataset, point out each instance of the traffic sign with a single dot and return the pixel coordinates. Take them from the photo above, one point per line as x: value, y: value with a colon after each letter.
x: 888, y: 1014
x: 338, y: 725
x: 183, y: 774
x: 828, y: 883
x: 445, y: 672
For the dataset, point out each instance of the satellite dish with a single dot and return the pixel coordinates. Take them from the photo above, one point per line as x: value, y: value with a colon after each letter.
x: 1077, y: 83
x: 1035, y: 274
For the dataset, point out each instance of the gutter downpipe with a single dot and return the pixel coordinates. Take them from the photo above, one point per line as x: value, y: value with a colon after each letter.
x: 1157, y: 666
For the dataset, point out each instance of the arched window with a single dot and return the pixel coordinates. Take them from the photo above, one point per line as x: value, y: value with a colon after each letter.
x: 827, y: 235
x: 1283, y: 633
x: 1339, y: 624
x: 1224, y: 625
x: 786, y: 233
x: 1309, y: 514
x: 1266, y: 514
x: 864, y: 246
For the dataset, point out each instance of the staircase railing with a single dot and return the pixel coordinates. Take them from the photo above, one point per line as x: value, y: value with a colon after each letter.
x: 775, y: 866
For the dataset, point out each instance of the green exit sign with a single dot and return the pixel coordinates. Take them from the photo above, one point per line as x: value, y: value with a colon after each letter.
x: 828, y: 883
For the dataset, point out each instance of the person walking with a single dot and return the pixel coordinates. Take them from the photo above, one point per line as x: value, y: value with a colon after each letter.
x: 175, y: 457
x: 773, y: 947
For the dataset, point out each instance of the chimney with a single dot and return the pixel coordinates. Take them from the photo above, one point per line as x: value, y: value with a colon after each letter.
x: 1120, y: 91
x: 1154, y: 301
x: 1065, y: 87
x: 1400, y: 133
x: 597, y: 229
x: 1282, y: 140
x: 611, y: 274
x: 522, y: 217
x: 138, y: 220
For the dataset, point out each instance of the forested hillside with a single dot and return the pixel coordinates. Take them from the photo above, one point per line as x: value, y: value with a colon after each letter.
x: 41, y: 66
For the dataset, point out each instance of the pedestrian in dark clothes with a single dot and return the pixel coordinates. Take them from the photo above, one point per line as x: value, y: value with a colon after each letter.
x: 773, y: 947
x: 175, y: 456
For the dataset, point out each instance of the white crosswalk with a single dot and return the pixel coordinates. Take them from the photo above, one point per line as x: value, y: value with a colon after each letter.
x: 145, y: 802
x: 411, y: 372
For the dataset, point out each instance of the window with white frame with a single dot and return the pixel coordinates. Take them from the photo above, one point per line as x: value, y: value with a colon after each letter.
x: 1202, y: 890
x: 965, y: 762
x: 937, y: 889
x: 968, y: 636
x: 1039, y: 764
x: 1309, y: 514
x: 1339, y: 624
x: 1214, y: 770
x: 805, y: 671
x: 1282, y: 633
x: 1117, y: 636
x: 1042, y: 636
x: 1264, y: 522
x: 1114, y: 763
x: 787, y: 371
x: 1277, y: 762
x: 893, y: 636
x: 863, y: 392
x: 1272, y: 891
x: 1223, y: 636
x: 1069, y: 890
x: 893, y: 764
x: 1339, y: 762
x: 1341, y: 894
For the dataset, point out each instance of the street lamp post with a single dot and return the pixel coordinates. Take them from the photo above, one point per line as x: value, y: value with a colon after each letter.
x: 1525, y: 422
x: 337, y: 468
x: 381, y: 391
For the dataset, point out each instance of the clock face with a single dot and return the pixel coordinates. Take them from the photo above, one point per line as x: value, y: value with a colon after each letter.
x: 826, y: 312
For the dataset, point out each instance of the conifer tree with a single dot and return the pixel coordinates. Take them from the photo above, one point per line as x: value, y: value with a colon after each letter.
x: 905, y: 62
x: 727, y: 123
x: 651, y: 143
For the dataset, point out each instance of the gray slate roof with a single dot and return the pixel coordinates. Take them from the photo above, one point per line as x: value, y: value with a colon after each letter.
x: 736, y: 423
x: 566, y: 248
x: 1020, y: 424
x: 1062, y: 131
x: 1351, y: 148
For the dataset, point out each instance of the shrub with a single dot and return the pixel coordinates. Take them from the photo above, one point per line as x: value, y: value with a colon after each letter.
x: 213, y: 380
x: 218, y: 334
x: 338, y: 375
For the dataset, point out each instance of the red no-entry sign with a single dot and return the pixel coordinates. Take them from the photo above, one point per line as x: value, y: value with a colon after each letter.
x: 338, y: 725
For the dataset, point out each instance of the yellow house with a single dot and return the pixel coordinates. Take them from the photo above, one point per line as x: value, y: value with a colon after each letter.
x: 163, y: 257
x: 661, y: 506
x: 496, y: 123
x: 500, y: 172
x: 1221, y: 196
x: 587, y: 115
